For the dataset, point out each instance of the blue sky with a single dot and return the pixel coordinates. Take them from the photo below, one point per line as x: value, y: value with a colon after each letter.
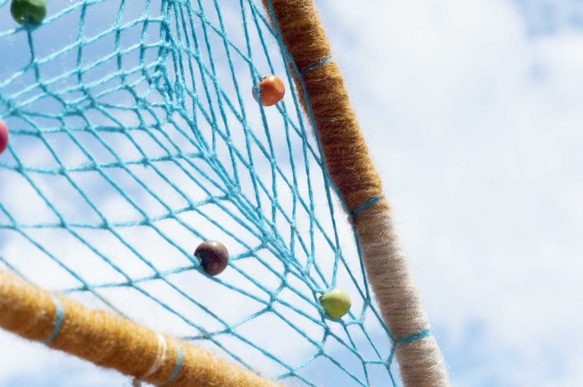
x: 473, y: 113
x: 473, y: 109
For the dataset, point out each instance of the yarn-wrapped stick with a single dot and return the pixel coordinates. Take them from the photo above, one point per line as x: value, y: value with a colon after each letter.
x: 323, y: 94
x: 113, y: 342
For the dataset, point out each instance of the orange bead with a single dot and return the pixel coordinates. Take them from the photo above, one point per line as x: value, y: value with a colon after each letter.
x: 271, y: 89
x: 3, y: 136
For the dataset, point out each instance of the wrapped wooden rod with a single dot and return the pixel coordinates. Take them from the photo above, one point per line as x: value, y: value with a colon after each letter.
x: 323, y: 94
x: 113, y: 342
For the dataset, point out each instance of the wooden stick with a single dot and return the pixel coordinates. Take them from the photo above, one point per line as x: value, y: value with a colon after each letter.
x: 113, y: 342
x: 323, y: 95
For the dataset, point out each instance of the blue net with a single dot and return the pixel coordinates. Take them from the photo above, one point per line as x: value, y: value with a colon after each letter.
x: 134, y: 136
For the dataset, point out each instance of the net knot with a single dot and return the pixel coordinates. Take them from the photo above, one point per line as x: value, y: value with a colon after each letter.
x: 364, y: 206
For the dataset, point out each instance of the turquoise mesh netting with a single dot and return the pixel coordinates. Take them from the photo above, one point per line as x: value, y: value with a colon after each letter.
x: 134, y: 137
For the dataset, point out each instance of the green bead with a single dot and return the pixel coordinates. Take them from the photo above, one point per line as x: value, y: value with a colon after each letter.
x: 336, y: 303
x: 29, y: 11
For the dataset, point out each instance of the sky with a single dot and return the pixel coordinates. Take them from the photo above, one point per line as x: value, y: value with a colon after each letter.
x: 472, y: 111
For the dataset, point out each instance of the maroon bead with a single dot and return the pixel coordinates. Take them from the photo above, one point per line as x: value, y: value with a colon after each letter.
x: 213, y: 257
x: 3, y: 136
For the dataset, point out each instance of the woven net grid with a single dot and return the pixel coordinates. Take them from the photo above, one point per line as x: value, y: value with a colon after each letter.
x: 134, y: 137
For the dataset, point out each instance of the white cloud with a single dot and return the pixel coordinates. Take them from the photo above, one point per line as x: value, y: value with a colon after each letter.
x: 34, y: 365
x: 476, y: 128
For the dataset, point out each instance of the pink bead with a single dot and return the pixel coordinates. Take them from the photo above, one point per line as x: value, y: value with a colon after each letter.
x: 3, y: 136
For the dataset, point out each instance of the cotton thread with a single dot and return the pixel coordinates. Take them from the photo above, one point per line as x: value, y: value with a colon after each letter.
x: 60, y: 315
x: 386, y: 264
x: 159, y: 358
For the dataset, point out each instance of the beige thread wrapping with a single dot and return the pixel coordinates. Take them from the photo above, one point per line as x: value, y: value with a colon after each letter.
x: 159, y: 359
